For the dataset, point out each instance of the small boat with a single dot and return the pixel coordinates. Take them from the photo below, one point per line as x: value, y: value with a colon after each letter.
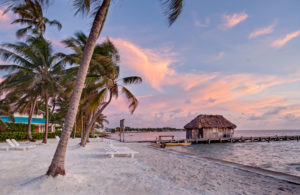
x: 178, y: 144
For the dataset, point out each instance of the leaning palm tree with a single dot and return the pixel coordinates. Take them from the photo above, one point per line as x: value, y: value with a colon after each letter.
x: 104, y: 57
x: 30, y: 13
x: 100, y: 11
x: 34, y: 66
x: 111, y: 86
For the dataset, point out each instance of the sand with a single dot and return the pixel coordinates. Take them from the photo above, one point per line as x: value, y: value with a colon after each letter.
x: 152, y: 171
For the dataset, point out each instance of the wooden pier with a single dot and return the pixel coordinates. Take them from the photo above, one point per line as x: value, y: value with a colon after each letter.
x: 232, y: 140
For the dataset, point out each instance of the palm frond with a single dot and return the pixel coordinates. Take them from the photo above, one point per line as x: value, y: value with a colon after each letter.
x: 132, y: 80
x: 133, y: 102
x: 173, y: 9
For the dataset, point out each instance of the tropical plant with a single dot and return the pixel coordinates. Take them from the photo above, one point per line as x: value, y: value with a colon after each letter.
x: 34, y: 68
x: 30, y: 13
x: 111, y: 86
x: 6, y: 110
x: 100, y: 11
x: 103, y: 61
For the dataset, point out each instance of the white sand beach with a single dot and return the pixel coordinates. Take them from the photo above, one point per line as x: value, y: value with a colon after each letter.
x: 152, y: 171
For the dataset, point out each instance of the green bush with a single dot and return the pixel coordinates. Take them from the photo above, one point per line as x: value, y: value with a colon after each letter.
x: 23, y: 135
x: 19, y: 127
x: 37, y: 136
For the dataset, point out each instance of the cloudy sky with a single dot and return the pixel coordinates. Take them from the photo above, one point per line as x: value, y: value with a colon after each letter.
x: 240, y: 59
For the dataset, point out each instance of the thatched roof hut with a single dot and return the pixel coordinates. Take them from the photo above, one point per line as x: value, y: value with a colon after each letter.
x: 209, y: 126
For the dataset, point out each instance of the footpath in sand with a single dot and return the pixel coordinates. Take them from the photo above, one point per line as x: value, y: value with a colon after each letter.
x: 152, y: 171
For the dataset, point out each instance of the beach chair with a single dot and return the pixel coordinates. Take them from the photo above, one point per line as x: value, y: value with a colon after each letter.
x: 18, y: 145
x: 57, y: 138
x: 5, y: 148
x: 114, y: 150
x: 13, y: 146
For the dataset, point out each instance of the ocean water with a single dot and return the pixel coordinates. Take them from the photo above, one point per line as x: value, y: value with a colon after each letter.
x: 281, y: 156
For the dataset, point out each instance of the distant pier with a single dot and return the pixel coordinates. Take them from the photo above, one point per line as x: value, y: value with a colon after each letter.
x: 231, y: 140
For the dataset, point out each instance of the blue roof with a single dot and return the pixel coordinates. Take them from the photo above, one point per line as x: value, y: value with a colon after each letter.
x: 23, y: 120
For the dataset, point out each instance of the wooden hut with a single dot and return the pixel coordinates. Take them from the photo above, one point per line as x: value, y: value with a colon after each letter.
x: 209, y: 127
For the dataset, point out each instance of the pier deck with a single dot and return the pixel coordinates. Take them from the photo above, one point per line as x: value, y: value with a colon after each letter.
x: 233, y: 139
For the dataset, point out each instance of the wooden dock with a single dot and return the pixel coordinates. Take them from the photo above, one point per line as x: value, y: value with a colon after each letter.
x: 232, y: 140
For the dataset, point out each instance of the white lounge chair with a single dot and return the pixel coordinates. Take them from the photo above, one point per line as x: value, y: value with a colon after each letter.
x: 13, y: 146
x: 57, y: 138
x: 5, y: 148
x: 18, y: 145
x: 114, y: 150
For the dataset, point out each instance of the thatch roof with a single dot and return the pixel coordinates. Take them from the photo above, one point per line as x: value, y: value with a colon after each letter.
x: 209, y: 121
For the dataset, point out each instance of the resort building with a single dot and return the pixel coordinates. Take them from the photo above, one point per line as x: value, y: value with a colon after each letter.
x: 210, y: 127
x: 37, y: 120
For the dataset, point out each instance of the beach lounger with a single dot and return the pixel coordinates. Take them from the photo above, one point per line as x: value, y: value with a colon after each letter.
x: 114, y: 150
x: 57, y: 138
x: 5, y: 148
x: 107, y: 141
x: 18, y: 145
x: 14, y: 147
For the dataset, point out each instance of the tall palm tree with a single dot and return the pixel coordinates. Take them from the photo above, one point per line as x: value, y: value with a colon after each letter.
x: 111, y: 86
x: 30, y: 13
x: 100, y: 10
x: 34, y: 66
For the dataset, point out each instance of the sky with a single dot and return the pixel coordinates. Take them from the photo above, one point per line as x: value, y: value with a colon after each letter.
x: 237, y: 58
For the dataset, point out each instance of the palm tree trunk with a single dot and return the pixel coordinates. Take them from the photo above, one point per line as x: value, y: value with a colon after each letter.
x: 47, y: 118
x: 81, y: 129
x: 93, y: 130
x: 74, y: 134
x: 57, y: 166
x: 29, y: 136
x: 92, y: 122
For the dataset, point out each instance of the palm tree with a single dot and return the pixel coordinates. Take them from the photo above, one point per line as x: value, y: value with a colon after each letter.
x: 25, y: 101
x: 34, y: 68
x: 111, y: 86
x: 5, y: 109
x: 101, y: 9
x: 104, y: 57
x: 30, y: 13
x: 99, y: 123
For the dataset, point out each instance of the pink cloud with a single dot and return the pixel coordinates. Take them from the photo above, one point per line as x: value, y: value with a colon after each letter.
x: 230, y: 95
x: 181, y: 96
x: 5, y: 21
x: 202, y: 24
x: 3, y: 17
x: 278, y: 43
x: 262, y: 31
x: 154, y: 65
x: 231, y: 20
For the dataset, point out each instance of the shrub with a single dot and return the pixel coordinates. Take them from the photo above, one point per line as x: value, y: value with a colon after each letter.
x: 19, y: 127
x: 23, y: 135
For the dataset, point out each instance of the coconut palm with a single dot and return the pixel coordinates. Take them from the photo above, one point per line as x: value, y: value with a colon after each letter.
x: 6, y: 110
x: 104, y: 57
x: 34, y: 67
x: 173, y: 9
x: 30, y: 13
x: 24, y: 101
x: 111, y: 86
x: 99, y: 123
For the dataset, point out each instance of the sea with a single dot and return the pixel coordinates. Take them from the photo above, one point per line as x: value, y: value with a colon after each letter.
x: 280, y: 156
